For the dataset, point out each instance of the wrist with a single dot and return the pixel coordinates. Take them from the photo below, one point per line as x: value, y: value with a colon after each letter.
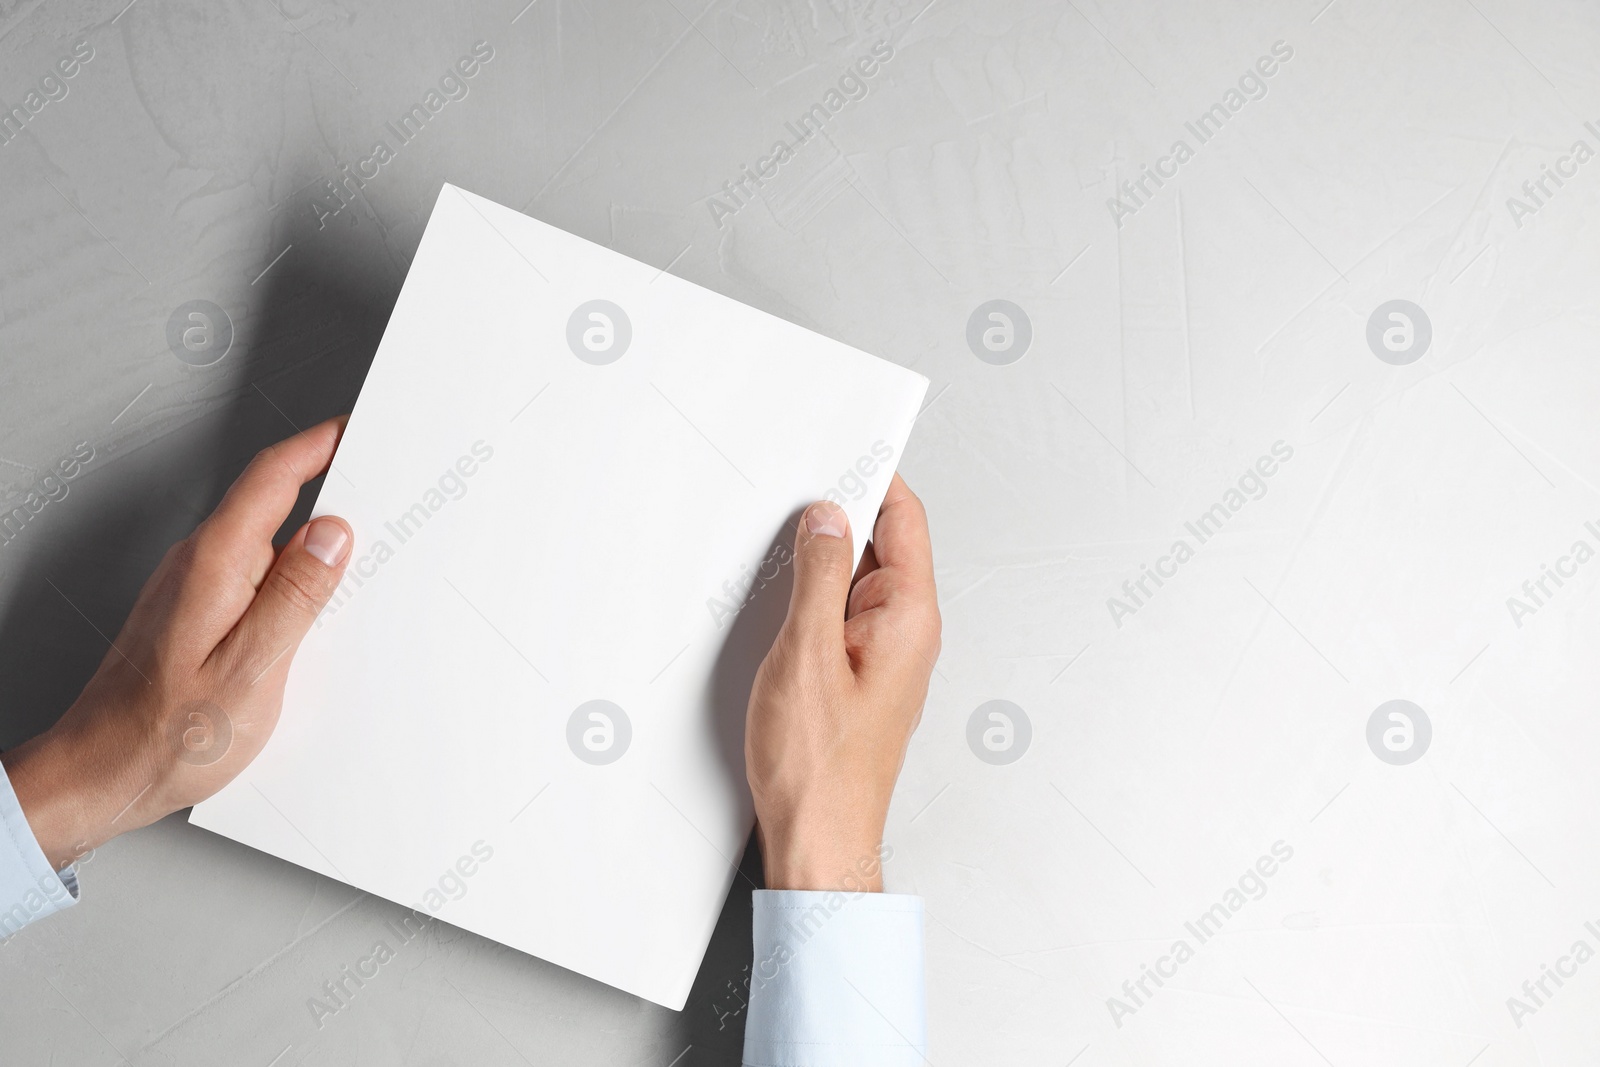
x: 46, y: 790
x: 69, y: 798
x: 828, y: 858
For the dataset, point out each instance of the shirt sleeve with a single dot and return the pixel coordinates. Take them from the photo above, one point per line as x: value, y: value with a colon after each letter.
x: 29, y: 889
x: 837, y: 981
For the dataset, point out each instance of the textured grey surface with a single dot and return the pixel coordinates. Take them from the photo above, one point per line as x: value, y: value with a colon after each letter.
x: 1225, y: 311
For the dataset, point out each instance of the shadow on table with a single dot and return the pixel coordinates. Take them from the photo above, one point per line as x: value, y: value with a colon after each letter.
x: 70, y: 575
x: 711, y: 1026
x: 710, y: 1029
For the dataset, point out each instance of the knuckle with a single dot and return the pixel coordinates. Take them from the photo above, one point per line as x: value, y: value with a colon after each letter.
x: 181, y: 557
x: 917, y: 616
x: 302, y: 590
x: 913, y: 505
x: 179, y: 568
x: 832, y: 577
x: 828, y: 555
x: 807, y: 643
x: 821, y: 586
x: 274, y: 455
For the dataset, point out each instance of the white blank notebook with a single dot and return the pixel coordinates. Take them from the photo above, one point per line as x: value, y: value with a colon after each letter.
x: 570, y: 475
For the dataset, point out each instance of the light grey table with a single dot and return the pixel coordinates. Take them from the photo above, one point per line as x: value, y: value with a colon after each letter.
x: 1192, y: 336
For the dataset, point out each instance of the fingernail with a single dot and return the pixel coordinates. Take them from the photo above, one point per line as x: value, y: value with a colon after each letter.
x: 325, y: 539
x: 826, y: 519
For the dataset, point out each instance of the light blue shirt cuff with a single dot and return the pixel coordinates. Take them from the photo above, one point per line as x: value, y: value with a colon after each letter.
x: 29, y: 889
x: 837, y: 981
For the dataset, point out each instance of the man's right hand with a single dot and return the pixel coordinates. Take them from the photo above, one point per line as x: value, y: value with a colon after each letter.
x: 836, y: 699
